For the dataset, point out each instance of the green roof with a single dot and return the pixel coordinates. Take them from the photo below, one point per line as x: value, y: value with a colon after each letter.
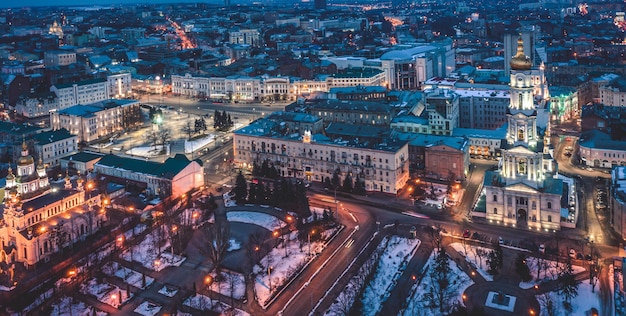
x: 52, y: 136
x: 168, y: 169
x: 17, y: 129
x: 81, y: 83
x: 83, y: 157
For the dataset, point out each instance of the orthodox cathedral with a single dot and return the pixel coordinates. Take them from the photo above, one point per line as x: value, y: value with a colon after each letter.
x: 524, y: 191
x: 38, y: 219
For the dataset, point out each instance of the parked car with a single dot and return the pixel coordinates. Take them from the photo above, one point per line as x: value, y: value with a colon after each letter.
x: 500, y: 241
x: 466, y: 233
x: 542, y: 248
x: 475, y: 235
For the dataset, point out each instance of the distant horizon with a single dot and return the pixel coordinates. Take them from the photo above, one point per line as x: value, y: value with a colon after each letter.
x: 91, y: 3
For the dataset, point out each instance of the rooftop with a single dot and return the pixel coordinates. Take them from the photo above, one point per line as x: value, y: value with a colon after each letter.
x: 83, y: 157
x: 600, y: 140
x: 89, y: 110
x: 353, y: 106
x: 52, y: 136
x: 168, y: 169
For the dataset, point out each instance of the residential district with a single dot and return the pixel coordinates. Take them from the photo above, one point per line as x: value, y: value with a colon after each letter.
x: 313, y: 158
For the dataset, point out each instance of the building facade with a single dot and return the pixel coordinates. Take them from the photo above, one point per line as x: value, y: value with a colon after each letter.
x: 37, y: 221
x: 36, y: 105
x: 51, y: 146
x: 84, y: 92
x: 93, y: 121
x: 59, y: 58
x: 382, y: 167
x: 174, y: 177
x: 617, y: 200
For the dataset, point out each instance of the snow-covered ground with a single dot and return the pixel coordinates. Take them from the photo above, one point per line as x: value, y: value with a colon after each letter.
x: 128, y: 275
x: 105, y: 292
x: 282, y: 268
x: 147, y: 252
x: 168, y: 291
x: 549, y: 269
x: 148, y: 308
x: 233, y: 245
x: 472, y: 256
x: 148, y: 151
x: 232, y: 284
x: 68, y: 306
x: 581, y: 304
x: 204, y: 303
x: 228, y: 200
x: 264, y: 220
x: 418, y: 302
x: 191, y: 145
x: 391, y: 264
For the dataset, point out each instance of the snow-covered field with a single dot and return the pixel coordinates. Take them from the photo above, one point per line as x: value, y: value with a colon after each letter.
x: 472, y: 256
x: 233, y: 245
x: 148, y: 308
x: 204, y: 303
x: 128, y: 275
x: 148, y: 151
x: 68, y: 306
x: 419, y: 303
x: 191, y: 145
x: 168, y: 291
x: 147, y: 252
x: 105, y: 292
x: 549, y: 269
x: 282, y: 268
x: 264, y: 220
x: 391, y: 264
x: 232, y: 284
x: 581, y: 304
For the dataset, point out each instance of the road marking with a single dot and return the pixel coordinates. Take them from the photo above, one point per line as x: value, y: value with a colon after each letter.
x: 353, y: 217
x: 349, y: 244
x: 323, y: 265
x: 418, y: 215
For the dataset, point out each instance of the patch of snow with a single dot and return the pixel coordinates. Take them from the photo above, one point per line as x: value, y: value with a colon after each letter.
x: 282, y: 268
x: 264, y: 220
x: 148, y: 308
x: 128, y: 275
x: 231, y: 285
x: 472, y: 257
x: 168, y: 291
x: 233, y: 245
x: 581, y: 304
x: 549, y: 270
x: 105, y: 292
x: 418, y: 301
x: 148, y: 151
x: 391, y: 265
x: 191, y: 145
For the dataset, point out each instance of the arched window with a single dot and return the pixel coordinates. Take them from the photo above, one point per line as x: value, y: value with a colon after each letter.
x: 495, y: 210
x: 495, y: 198
x: 549, y: 218
x: 550, y: 205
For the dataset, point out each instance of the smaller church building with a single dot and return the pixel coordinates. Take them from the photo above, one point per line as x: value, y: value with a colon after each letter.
x: 39, y: 220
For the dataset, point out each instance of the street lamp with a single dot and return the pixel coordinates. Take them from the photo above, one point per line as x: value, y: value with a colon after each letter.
x: 208, y: 280
x: 310, y: 233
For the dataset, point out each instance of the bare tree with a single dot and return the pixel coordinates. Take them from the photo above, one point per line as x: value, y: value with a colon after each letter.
x: 548, y: 303
x: 215, y: 237
x: 164, y: 136
x: 480, y: 254
x: 153, y: 137
x: 187, y: 129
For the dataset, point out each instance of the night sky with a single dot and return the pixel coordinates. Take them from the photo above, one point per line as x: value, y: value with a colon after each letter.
x: 40, y: 3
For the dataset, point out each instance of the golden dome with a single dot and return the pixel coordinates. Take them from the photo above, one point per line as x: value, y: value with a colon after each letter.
x: 520, y: 61
x: 26, y: 160
x: 10, y: 176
